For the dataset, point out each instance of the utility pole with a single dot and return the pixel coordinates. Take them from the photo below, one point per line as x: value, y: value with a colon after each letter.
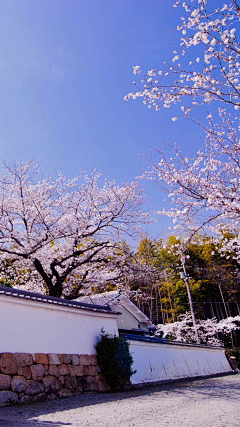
x: 184, y: 276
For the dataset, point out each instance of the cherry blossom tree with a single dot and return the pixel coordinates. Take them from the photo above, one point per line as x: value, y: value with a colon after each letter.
x: 59, y: 236
x: 208, y: 330
x: 205, y: 68
x: 204, y: 189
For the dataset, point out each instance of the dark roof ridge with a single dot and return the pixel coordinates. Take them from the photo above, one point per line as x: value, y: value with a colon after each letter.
x: 156, y: 340
x: 19, y: 293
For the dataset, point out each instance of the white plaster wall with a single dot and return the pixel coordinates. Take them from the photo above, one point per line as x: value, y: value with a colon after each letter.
x: 156, y: 362
x: 125, y: 320
x: 29, y: 327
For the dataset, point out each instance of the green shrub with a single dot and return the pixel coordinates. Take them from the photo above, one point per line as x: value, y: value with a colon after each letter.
x: 235, y: 352
x: 114, y: 359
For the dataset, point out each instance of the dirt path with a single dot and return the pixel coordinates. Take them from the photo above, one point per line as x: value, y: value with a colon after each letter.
x: 211, y: 402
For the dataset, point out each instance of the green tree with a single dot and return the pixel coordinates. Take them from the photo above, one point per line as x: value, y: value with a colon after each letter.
x: 213, y: 279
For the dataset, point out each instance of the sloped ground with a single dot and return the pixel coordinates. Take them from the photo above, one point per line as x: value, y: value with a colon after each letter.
x: 211, y: 402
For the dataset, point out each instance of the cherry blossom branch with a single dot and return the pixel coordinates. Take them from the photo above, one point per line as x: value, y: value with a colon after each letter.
x: 213, y: 76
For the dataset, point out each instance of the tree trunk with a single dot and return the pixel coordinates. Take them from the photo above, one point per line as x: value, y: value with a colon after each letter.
x: 53, y: 290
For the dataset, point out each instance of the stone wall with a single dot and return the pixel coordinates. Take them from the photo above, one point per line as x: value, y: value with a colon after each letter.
x: 26, y: 378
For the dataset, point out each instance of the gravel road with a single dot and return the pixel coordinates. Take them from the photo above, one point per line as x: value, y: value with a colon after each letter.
x: 213, y: 402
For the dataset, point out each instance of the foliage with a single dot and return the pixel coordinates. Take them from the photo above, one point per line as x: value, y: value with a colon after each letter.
x: 114, y: 358
x: 214, y: 280
x: 143, y: 285
x: 6, y: 284
x: 208, y: 330
x: 60, y: 235
x: 235, y: 352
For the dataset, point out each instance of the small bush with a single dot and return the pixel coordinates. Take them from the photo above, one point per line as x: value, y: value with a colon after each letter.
x: 114, y: 358
x: 235, y: 352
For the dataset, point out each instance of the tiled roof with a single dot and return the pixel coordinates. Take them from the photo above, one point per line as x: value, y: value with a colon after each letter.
x: 17, y: 293
x: 106, y: 298
x: 156, y: 340
x: 117, y: 298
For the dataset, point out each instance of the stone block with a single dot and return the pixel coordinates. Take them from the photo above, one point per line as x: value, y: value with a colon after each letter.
x: 66, y: 358
x: 8, y: 363
x: 76, y: 371
x: 82, y: 384
x: 80, y: 388
x: 75, y: 359
x: 54, y: 371
x: 92, y: 383
x: 100, y: 376
x: 38, y: 372
x: 26, y: 399
x: 18, y: 384
x: 65, y: 392
x: 40, y: 397
x: 34, y: 387
x: 85, y: 360
x: 103, y: 386
x: 55, y: 359
x: 60, y: 356
x: 25, y: 372
x: 41, y: 358
x: 24, y: 359
x: 30, y: 399
x: 64, y: 370
x: 99, y: 369
x: 51, y: 384
x: 5, y: 381
x: 92, y: 370
x: 61, y: 381
x: 85, y: 370
x: 8, y: 398
x: 52, y: 396
x: 94, y: 359
x: 70, y: 382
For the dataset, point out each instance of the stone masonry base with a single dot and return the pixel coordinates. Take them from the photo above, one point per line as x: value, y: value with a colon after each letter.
x: 26, y: 378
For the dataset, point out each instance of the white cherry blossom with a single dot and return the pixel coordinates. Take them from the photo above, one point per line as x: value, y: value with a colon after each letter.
x: 208, y: 330
x: 205, y: 188
x: 59, y: 236
x: 214, y: 75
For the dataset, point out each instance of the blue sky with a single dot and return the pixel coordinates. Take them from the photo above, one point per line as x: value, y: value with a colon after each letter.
x: 65, y: 66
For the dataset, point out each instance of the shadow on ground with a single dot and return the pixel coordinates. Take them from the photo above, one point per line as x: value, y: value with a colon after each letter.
x: 23, y: 415
x: 18, y: 423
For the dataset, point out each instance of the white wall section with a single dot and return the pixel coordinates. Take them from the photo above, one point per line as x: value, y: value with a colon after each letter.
x: 32, y: 324
x: 35, y: 327
x: 161, y: 361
